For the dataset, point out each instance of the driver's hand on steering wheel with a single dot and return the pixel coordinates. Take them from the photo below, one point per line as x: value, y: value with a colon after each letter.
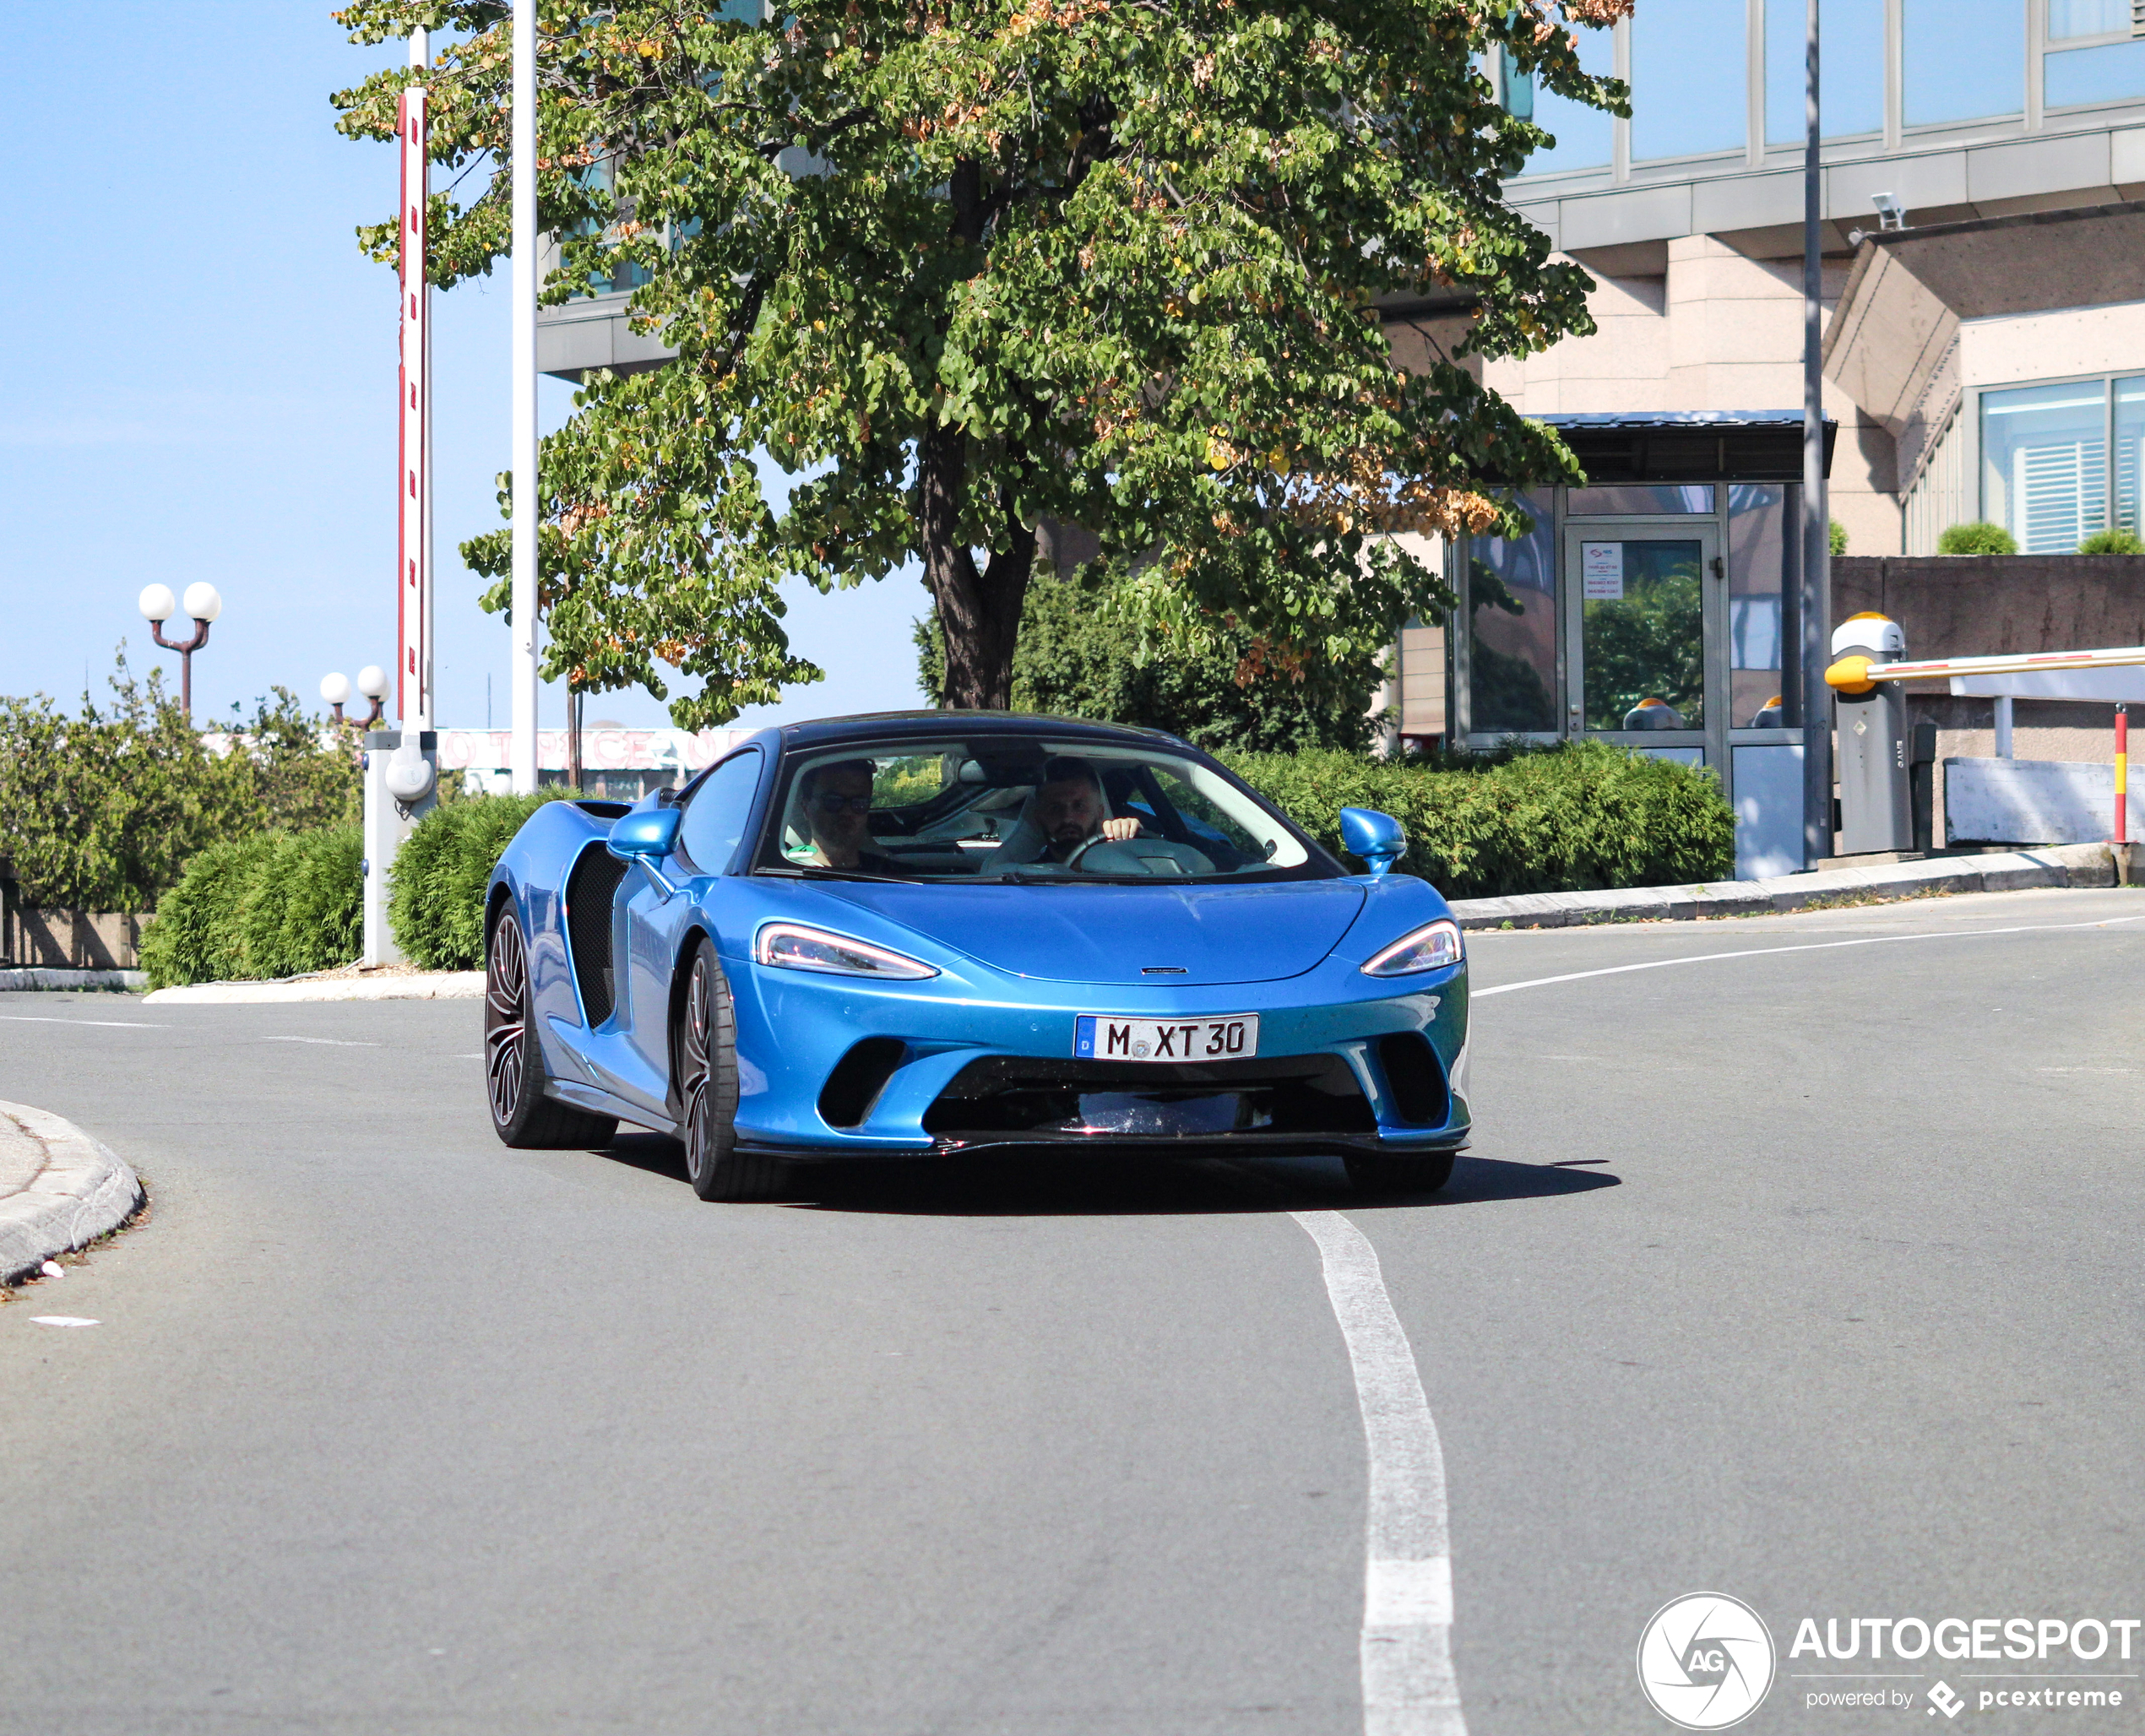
x: 1118, y: 830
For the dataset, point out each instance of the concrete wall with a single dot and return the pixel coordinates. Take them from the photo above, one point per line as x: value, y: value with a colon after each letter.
x: 1715, y: 330
x: 1968, y: 605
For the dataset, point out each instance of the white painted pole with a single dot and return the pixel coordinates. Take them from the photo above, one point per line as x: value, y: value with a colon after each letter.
x: 523, y: 282
x: 427, y: 705
x: 2003, y: 726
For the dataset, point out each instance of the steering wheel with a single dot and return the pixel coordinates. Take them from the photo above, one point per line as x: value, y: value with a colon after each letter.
x: 1138, y: 855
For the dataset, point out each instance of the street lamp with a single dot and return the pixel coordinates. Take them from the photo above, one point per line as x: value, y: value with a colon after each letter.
x: 203, y: 604
x: 372, y: 683
x: 335, y: 689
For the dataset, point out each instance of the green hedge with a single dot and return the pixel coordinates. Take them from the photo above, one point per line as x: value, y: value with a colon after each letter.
x: 436, y: 906
x: 1573, y: 819
x: 277, y: 904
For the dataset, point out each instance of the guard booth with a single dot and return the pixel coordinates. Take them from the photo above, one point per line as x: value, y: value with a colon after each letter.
x: 1657, y: 607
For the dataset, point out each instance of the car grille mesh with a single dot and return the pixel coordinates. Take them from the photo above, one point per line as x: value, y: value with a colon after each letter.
x: 589, y: 889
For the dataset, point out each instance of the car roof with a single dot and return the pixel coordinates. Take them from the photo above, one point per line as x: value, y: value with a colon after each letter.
x: 900, y: 725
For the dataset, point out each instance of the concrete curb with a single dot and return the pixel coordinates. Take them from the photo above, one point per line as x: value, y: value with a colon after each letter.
x: 80, y: 1191
x: 2082, y: 865
x: 422, y: 985
x: 35, y: 976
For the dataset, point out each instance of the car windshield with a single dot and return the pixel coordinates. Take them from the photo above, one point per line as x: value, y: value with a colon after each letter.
x: 1022, y: 811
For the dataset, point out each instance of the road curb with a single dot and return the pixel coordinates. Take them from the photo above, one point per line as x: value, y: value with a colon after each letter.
x: 2077, y: 864
x: 80, y: 1190
x: 422, y: 985
x: 14, y: 979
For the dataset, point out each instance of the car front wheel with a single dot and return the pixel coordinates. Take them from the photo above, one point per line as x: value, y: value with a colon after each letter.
x: 705, y: 1045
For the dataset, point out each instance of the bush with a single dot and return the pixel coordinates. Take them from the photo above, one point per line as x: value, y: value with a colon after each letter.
x: 2112, y: 542
x: 436, y: 905
x: 103, y: 811
x: 277, y: 904
x: 1836, y: 534
x: 1576, y: 818
x: 1978, y: 538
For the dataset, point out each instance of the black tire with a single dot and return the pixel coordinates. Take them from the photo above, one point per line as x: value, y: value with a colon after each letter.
x: 1377, y: 1173
x: 705, y: 1046
x: 513, y: 1063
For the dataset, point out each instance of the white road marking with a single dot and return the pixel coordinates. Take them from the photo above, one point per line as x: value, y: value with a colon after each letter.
x: 61, y: 1320
x: 1408, y: 1687
x: 324, y: 1042
x: 1573, y: 976
x: 122, y: 1024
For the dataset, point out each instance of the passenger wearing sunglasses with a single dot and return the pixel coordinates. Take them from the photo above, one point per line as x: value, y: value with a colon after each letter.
x: 837, y: 808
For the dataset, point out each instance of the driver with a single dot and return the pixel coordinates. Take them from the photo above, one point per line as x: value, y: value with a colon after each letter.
x: 1070, y: 808
x: 837, y: 801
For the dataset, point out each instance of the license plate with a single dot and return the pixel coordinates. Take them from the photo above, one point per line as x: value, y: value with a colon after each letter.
x: 1098, y: 1036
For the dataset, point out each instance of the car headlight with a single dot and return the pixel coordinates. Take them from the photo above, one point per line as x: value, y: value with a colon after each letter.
x: 1431, y: 947
x: 791, y: 945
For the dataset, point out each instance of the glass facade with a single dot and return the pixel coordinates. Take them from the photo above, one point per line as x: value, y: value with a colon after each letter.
x: 1850, y: 95
x: 1962, y: 60
x: 1757, y: 528
x: 1686, y: 497
x: 2113, y: 74
x: 1643, y: 621
x: 1512, y: 615
x: 1584, y: 137
x: 2044, y: 463
x: 2088, y: 17
x: 1688, y: 70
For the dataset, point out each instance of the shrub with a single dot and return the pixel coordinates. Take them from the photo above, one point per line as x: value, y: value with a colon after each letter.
x: 103, y: 811
x: 2112, y: 542
x: 1978, y: 538
x: 1575, y: 818
x: 436, y: 905
x: 1836, y: 533
x: 277, y: 904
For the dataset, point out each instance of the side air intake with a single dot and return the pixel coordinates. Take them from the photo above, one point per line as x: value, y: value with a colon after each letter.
x: 589, y: 892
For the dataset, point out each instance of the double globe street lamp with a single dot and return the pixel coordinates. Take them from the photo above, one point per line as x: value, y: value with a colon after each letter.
x: 371, y: 682
x: 203, y: 603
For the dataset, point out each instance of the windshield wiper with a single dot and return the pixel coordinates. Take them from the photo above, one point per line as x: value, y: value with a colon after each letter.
x: 817, y: 873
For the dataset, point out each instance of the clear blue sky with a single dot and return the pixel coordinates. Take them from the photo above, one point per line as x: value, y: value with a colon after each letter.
x: 203, y: 378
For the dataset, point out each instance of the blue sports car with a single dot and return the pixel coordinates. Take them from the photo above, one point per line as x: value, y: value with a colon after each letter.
x: 939, y: 932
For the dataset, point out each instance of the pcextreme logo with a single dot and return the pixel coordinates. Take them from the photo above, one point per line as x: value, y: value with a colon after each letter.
x: 1705, y: 1661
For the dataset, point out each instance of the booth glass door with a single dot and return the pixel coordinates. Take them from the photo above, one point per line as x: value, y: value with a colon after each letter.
x: 1644, y: 644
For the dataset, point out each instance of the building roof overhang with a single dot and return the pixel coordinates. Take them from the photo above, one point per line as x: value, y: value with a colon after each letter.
x: 1689, y: 446
x: 1892, y: 335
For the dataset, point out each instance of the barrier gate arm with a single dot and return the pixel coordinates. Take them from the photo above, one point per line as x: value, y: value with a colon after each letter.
x: 1860, y: 674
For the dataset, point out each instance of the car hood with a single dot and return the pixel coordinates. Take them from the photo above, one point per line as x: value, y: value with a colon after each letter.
x: 1112, y: 933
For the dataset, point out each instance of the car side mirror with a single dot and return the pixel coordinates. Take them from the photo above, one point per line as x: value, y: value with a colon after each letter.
x: 645, y: 834
x: 1376, y: 838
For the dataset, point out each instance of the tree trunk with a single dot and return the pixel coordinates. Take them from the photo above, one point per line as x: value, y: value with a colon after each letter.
x: 979, y: 609
x: 573, y: 701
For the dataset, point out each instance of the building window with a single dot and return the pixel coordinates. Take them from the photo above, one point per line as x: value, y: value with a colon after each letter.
x: 2088, y: 17
x: 2044, y: 463
x: 1688, y: 72
x: 1962, y: 59
x: 1584, y: 137
x: 2079, y: 77
x: 1512, y: 628
x: 1850, y: 96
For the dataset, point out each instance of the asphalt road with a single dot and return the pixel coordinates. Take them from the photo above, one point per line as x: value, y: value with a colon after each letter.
x: 1810, y: 1277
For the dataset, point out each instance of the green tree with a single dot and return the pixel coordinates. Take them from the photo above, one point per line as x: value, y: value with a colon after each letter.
x: 959, y: 269
x: 1070, y: 662
x: 102, y: 810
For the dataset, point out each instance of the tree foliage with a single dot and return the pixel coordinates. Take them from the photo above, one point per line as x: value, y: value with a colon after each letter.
x: 1070, y: 662
x: 102, y: 810
x: 958, y: 269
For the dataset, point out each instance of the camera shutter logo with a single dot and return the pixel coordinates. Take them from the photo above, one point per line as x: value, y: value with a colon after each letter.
x: 1705, y: 1661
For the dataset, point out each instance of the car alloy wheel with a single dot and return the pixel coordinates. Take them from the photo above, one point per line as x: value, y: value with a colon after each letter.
x: 506, y: 995
x: 707, y: 1079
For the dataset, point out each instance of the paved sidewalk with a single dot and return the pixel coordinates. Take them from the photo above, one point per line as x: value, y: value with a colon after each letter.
x: 405, y: 985
x: 59, y: 1188
x: 2079, y: 865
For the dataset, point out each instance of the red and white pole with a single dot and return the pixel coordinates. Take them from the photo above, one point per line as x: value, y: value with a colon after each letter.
x: 2122, y: 775
x: 414, y: 385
